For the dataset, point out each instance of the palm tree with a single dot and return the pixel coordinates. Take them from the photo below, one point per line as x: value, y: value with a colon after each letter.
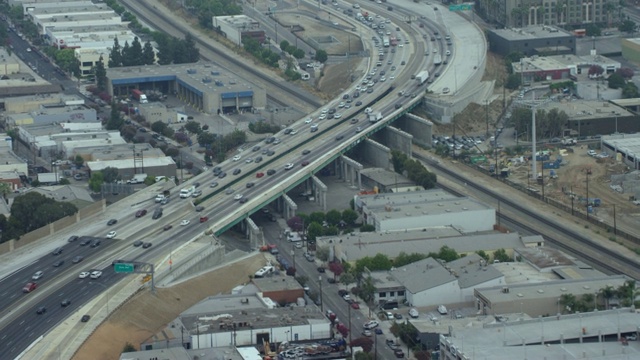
x: 568, y: 302
x: 608, y: 9
x: 607, y: 293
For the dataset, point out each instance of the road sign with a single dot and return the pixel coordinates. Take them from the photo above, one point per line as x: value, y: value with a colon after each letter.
x: 123, y: 268
x: 460, y: 7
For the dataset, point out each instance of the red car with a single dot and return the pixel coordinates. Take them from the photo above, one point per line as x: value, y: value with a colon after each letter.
x: 204, y: 218
x: 141, y: 213
x: 355, y: 305
x: 29, y: 287
x: 260, y: 174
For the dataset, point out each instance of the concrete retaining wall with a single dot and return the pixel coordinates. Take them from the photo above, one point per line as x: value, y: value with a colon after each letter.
x: 397, y: 139
x: 210, y: 256
x: 376, y: 154
x: 420, y: 128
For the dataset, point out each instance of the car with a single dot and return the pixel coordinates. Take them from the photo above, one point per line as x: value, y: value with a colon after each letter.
x: 354, y: 120
x: 29, y: 287
x: 259, y: 175
x: 250, y: 185
x: 270, y: 153
x: 73, y: 238
x: 229, y: 191
x: 255, y: 148
x: 167, y: 227
x: 355, y: 305
x: 112, y: 222
x: 141, y: 213
x: 137, y: 243
x: 41, y: 310
x: 37, y: 275
x: 58, y: 263
x: 196, y: 193
x: 243, y: 200
x: 346, y: 297
x: 248, y: 160
x: 306, y: 152
x: 237, y: 158
x: 403, y: 62
x: 85, y: 318
x: 322, y: 117
x: 217, y: 170
x: 77, y: 259
x: 96, y: 274
x: 308, y: 120
x: 57, y: 251
x: 304, y: 163
x: 258, y: 159
x: 237, y: 197
x: 398, y: 353
x: 203, y: 219
x: 110, y: 235
x: 397, y: 316
x: 371, y: 324
x: 331, y: 280
x: 222, y: 175
x: 199, y: 208
x: 337, y: 115
x: 632, y: 337
x: 367, y: 332
x: 289, y: 166
x: 271, y: 172
x: 65, y: 303
x: 321, y: 269
x: 85, y: 242
x: 147, y: 245
x: 358, y: 103
x: 343, y: 292
x: 277, y: 141
x: 359, y: 129
x: 237, y: 171
x: 339, y: 137
x: 84, y: 275
x: 185, y: 222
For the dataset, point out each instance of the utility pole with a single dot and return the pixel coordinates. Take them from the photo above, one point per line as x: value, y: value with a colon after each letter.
x: 534, y: 105
x: 587, y: 175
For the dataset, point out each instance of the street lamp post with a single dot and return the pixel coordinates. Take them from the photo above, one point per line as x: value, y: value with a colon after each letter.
x: 321, y: 302
x: 533, y: 105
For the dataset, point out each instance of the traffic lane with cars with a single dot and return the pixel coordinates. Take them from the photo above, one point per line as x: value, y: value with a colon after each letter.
x: 26, y: 328
x: 13, y: 284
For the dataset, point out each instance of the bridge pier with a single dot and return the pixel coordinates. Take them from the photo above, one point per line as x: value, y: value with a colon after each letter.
x: 376, y: 154
x: 397, y: 139
x: 420, y: 128
x: 319, y: 191
x: 254, y: 233
x: 289, y: 207
x: 353, y: 169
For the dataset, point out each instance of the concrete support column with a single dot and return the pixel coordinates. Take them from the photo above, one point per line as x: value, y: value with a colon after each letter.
x: 359, y: 179
x: 354, y: 170
x: 290, y: 207
x: 320, y: 191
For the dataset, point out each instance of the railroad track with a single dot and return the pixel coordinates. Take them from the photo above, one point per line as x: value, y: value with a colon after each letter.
x: 615, y: 263
x: 170, y: 25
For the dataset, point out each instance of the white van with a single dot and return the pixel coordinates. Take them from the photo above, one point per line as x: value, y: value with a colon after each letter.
x: 414, y: 313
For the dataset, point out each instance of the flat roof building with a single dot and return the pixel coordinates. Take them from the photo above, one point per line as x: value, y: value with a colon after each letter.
x: 423, y: 209
x: 624, y: 148
x: 237, y: 27
x: 387, y: 181
x: 532, y: 40
x: 281, y: 288
x: 85, y: 36
x: 8, y: 64
x: 29, y: 103
x: 81, y: 19
x: 159, y: 166
x: 206, y: 86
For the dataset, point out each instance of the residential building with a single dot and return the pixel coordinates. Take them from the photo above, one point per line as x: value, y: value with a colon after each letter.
x: 79, y: 196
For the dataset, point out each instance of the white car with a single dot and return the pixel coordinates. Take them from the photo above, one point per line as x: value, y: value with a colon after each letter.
x: 370, y: 325
x: 96, y: 274
x: 337, y: 116
x: 322, y: 117
x: 237, y: 197
x: 249, y: 160
x: 347, y: 297
x: 84, y: 275
x: 368, y: 110
x: 324, y: 111
x: 37, y: 275
x: 289, y: 166
x: 237, y: 158
x: 111, y: 234
x: 184, y: 222
x: 308, y: 121
x: 293, y: 132
x: 367, y: 333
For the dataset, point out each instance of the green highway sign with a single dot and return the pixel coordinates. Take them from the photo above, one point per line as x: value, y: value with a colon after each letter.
x: 123, y: 268
x: 460, y: 7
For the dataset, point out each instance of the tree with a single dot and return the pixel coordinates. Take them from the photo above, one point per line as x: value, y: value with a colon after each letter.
x: 333, y: 217
x: 483, y: 255
x: 115, y: 56
x: 366, y: 344
x: 101, y: 75
x: 608, y: 293
x: 336, y: 268
x: 193, y: 53
x: 367, y: 290
x: 595, y: 71
x: 128, y: 132
x: 298, y: 54
x: 321, y: 56
x: 626, y: 72
x: 367, y: 228
x: 110, y: 174
x: 630, y: 90
x: 67, y: 61
x: 330, y: 231
x: 627, y: 26
x: 64, y: 181
x: 349, y: 216
x: 206, y: 139
x: 314, y: 230
x: 34, y: 210
x: 165, y: 51
x: 158, y: 126
x: 501, y: 255
x: 96, y: 181
x: 148, y: 55
x: 568, y: 302
x: 115, y: 121
x: 295, y: 223
x: 347, y: 278
x: 513, y: 81
x: 5, y: 189
x: 404, y: 259
x: 284, y: 45
x: 135, y: 52
x: 128, y: 347
x: 322, y: 253
x: 193, y: 127
x: 317, y: 216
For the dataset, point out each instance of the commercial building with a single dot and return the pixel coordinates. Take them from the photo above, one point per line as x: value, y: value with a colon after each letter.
x: 237, y: 27
x: 541, y: 299
x: 157, y: 166
x: 54, y: 114
x: 557, y: 13
x: 352, y: 247
x: 180, y: 353
x: 8, y: 64
x: 157, y: 111
x: 539, y: 40
x: 624, y: 148
x: 423, y: 209
x: 88, y: 36
x: 281, y: 289
x: 13, y: 168
x: 238, y: 320
x: 431, y: 282
x: 560, y: 67
x: 79, y: 196
x: 29, y: 103
x: 89, y: 58
x: 205, y: 86
x: 82, y: 13
x: 383, y: 181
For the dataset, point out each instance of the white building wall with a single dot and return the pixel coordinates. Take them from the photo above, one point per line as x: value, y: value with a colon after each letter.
x: 249, y: 336
x: 46, y: 23
x: 466, y: 295
x: 17, y: 167
x: 468, y: 221
x: 443, y: 294
x: 232, y: 33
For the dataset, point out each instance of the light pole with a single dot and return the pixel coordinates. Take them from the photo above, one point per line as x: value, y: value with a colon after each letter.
x: 321, y: 302
x: 534, y: 105
x: 587, y: 175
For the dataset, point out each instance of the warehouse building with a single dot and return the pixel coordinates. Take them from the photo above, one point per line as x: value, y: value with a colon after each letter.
x: 88, y: 36
x: 423, y: 209
x: 29, y: 103
x: 539, y: 40
x: 204, y: 86
x: 237, y: 27
x: 560, y: 67
x: 624, y: 148
x: 127, y: 167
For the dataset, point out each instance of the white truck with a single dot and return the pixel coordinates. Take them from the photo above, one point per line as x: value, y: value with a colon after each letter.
x: 422, y: 76
x: 569, y: 141
x: 375, y: 116
x: 137, y: 179
x: 187, y: 192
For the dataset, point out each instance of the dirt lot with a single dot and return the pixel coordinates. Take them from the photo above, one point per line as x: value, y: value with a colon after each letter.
x: 146, y: 314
